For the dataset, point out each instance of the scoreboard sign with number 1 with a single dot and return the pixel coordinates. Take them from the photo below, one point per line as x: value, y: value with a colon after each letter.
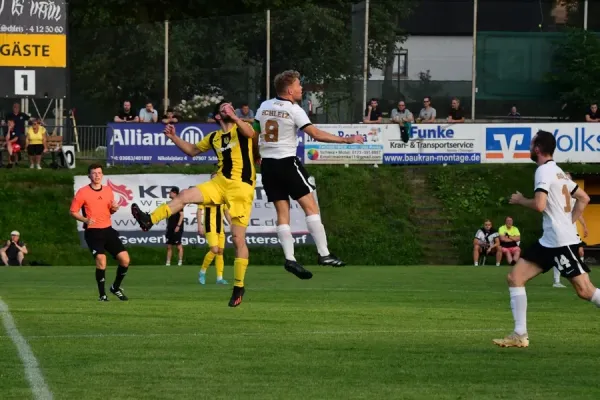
x: 33, y: 48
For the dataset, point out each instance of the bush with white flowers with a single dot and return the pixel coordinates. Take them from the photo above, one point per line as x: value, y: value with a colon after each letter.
x: 197, y: 108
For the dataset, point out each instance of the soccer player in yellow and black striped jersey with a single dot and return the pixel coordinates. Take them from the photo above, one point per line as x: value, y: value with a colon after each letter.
x: 233, y: 185
x: 211, y: 225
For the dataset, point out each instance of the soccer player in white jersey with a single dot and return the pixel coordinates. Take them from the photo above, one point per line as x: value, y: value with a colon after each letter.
x: 283, y: 175
x: 554, y: 194
x: 557, y: 283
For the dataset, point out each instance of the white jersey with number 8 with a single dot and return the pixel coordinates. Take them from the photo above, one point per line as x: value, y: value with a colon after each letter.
x: 279, y: 121
x: 559, y: 229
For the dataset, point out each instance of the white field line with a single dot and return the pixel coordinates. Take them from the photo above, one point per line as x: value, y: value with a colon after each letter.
x: 36, y: 380
x: 241, y: 334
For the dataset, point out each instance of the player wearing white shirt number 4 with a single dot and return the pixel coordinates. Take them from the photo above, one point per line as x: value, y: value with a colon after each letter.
x: 554, y: 193
x: 283, y: 176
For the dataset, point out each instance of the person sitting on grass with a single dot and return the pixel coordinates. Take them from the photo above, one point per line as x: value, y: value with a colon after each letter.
x: 14, y: 251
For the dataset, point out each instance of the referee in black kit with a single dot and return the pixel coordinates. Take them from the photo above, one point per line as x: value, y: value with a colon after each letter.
x: 174, y: 231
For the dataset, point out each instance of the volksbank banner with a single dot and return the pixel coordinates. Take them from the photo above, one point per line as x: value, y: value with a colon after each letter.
x: 130, y: 143
x: 151, y: 190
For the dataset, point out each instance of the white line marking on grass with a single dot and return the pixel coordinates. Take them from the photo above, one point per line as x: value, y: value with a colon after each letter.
x: 32, y: 370
x: 202, y: 334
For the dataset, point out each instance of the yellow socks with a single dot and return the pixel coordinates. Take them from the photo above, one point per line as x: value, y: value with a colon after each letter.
x: 239, y: 271
x: 208, y: 259
x: 220, y: 266
x: 162, y: 212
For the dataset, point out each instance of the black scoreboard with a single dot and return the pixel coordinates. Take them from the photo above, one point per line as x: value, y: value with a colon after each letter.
x: 33, y: 48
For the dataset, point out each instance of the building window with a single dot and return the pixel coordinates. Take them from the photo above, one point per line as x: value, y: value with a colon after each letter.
x: 401, y: 64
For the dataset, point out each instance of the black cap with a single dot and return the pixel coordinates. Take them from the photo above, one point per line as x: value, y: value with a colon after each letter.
x: 175, y: 190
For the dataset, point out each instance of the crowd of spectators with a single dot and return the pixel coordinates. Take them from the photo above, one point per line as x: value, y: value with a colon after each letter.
x: 428, y: 113
x: 148, y: 114
x: 23, y: 134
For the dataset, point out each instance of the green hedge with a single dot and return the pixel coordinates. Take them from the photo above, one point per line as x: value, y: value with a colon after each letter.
x: 368, y: 212
x: 365, y: 212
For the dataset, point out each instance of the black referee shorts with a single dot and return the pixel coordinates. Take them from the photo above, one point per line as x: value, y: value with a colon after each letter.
x: 104, y: 240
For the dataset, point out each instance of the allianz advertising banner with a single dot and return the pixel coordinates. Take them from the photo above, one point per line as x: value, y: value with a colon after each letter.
x: 151, y: 190
x: 144, y: 143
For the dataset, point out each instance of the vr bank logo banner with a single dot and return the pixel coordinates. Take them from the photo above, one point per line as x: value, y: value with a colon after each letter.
x: 433, y: 144
x: 151, y: 190
x: 130, y: 143
x: 512, y: 143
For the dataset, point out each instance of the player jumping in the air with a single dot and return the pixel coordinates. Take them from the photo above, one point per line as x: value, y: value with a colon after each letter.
x: 93, y: 205
x: 283, y: 176
x: 210, y: 224
x: 557, y: 283
x: 558, y: 245
x: 234, y: 185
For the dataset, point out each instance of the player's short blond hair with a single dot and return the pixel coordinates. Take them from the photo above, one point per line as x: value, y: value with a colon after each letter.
x: 284, y: 80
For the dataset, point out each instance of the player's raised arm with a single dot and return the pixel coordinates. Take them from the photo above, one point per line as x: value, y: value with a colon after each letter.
x: 243, y: 127
x: 190, y: 149
x: 322, y: 136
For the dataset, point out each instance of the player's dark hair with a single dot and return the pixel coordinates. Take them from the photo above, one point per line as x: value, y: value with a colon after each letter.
x: 93, y: 167
x: 175, y: 189
x: 218, y: 107
x: 283, y: 80
x: 487, y: 220
x: 545, y: 142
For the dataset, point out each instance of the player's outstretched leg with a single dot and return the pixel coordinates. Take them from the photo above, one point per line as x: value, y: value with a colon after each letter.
x: 240, y: 264
x: 146, y: 221
x: 585, y: 288
x: 208, y: 259
x: 521, y: 273
x: 317, y: 231
x: 284, y: 233
x: 123, y: 260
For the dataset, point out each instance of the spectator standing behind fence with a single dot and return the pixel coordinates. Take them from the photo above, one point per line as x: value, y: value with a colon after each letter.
x: 148, y: 114
x: 592, y: 114
x: 456, y: 114
x: 428, y: 113
x: 126, y: 114
x: 169, y: 117
x: 510, y: 239
x: 245, y: 113
x: 12, y: 143
x: 514, y: 113
x: 14, y: 250
x: 20, y: 119
x: 36, y: 144
x: 373, y: 113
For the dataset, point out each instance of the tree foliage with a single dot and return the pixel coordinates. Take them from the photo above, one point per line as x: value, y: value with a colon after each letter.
x: 117, y: 47
x: 575, y: 75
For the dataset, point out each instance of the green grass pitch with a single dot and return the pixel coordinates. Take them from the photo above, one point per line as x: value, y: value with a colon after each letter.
x: 350, y: 333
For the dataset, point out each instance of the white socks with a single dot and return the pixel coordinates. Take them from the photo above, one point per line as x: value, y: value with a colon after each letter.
x: 317, y: 231
x: 556, y: 275
x: 518, y: 304
x: 284, y: 233
x: 596, y: 298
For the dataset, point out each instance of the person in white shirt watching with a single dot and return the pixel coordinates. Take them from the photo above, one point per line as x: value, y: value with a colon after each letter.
x: 283, y: 175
